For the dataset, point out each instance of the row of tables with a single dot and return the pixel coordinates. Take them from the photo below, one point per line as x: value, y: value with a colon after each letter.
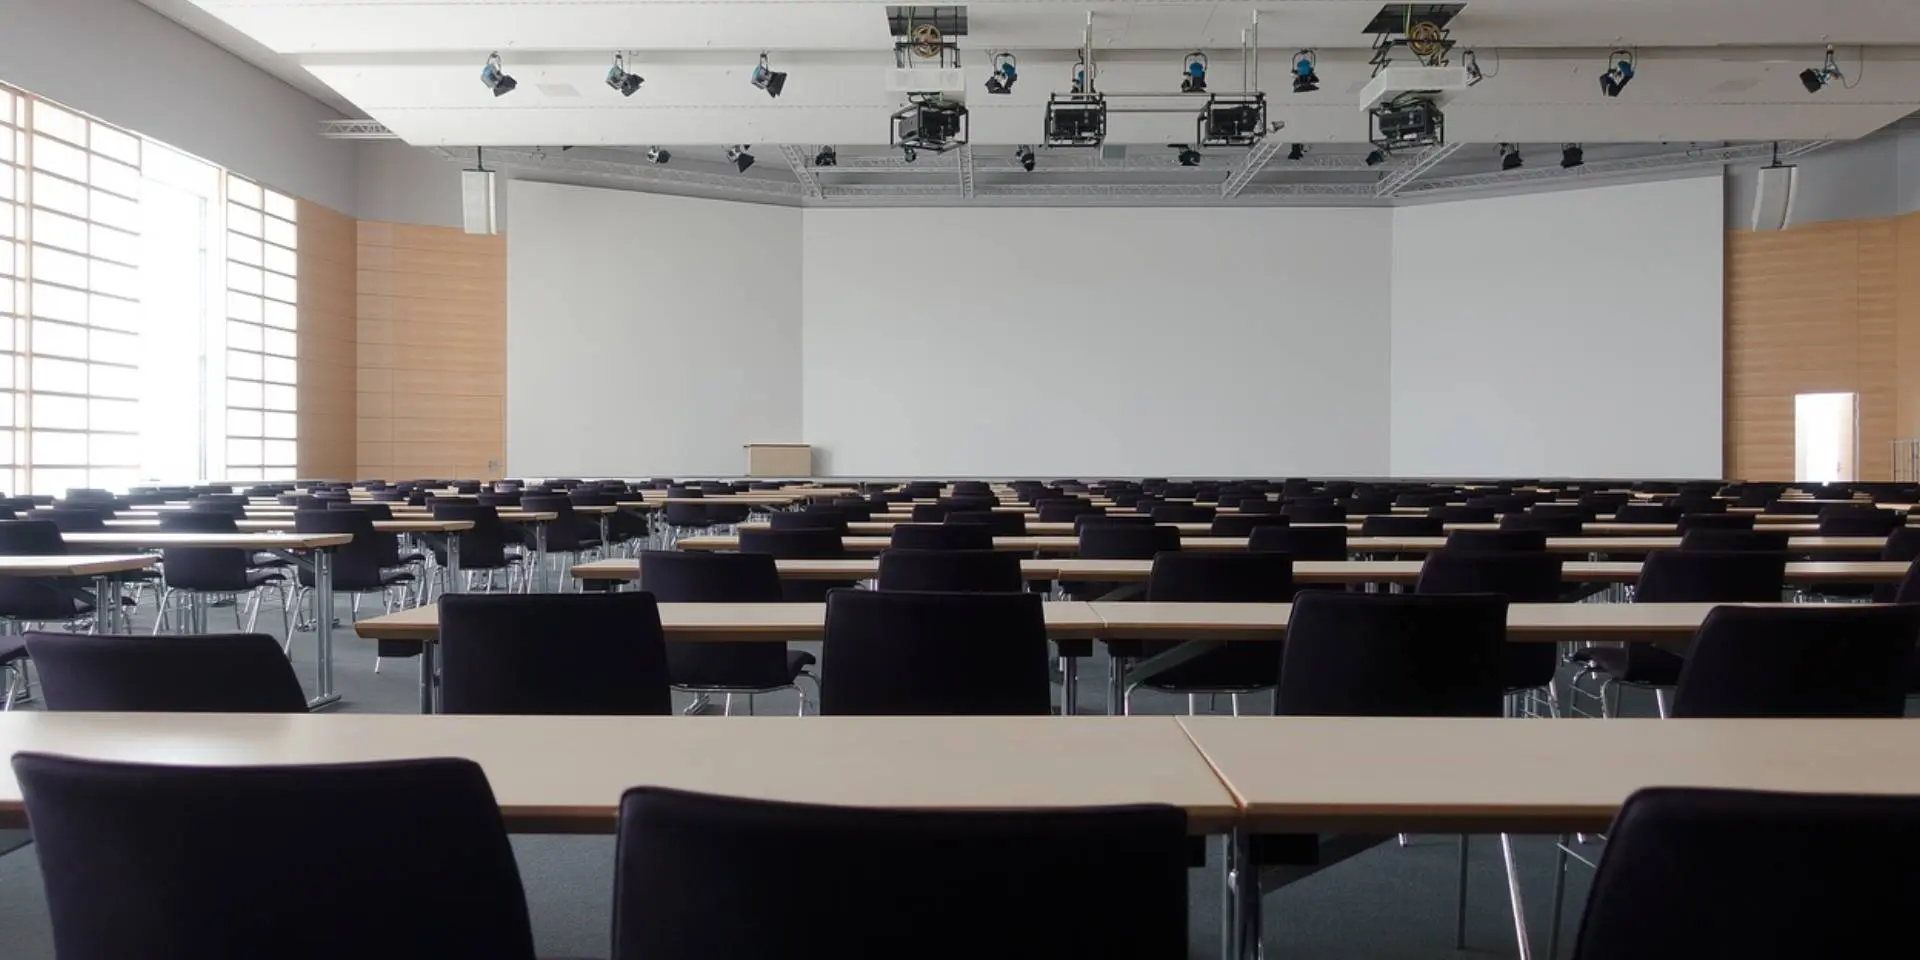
x: 1058, y: 544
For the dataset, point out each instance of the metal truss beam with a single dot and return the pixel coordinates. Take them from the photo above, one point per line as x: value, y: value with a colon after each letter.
x: 540, y: 162
x: 355, y: 130
x: 1406, y: 173
x: 1249, y: 167
x: 1626, y: 166
x: 802, y: 170
x: 1085, y: 161
x: 965, y: 161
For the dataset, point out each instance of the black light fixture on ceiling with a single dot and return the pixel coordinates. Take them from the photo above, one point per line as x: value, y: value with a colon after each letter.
x: 659, y: 155
x: 619, y: 79
x: 1025, y: 156
x: 1297, y: 151
x: 1188, y: 156
x: 1193, y: 74
x: 768, y: 79
x: 1572, y: 155
x: 1376, y: 158
x: 827, y: 157
x: 1471, y: 61
x: 1305, y: 80
x: 1510, y: 157
x: 1621, y: 66
x: 739, y: 157
x: 495, y: 77
x: 1817, y: 80
x: 1006, y: 70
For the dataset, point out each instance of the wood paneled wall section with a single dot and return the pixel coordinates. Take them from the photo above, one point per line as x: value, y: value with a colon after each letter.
x: 431, y: 351
x: 1818, y: 309
x: 326, y: 307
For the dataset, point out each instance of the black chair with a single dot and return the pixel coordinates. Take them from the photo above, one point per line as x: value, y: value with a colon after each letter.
x: 1497, y: 541
x: 1243, y: 524
x: 1681, y: 576
x: 1315, y: 513
x: 798, y: 545
x: 931, y: 512
x: 30, y: 600
x: 1550, y: 525
x: 951, y: 571
x: 1408, y: 526
x: 356, y: 563
x: 1302, y: 543
x: 746, y: 668
x: 591, y: 653
x: 231, y: 862
x: 1647, y: 513
x: 1112, y: 539
x: 1803, y: 508
x: 940, y: 536
x: 568, y: 534
x: 1182, y: 513
x: 1233, y: 668
x: 1766, y: 541
x: 1002, y: 523
x: 701, y: 876
x: 898, y: 653
x: 808, y: 520
x: 1691, y: 521
x: 1068, y: 513
x: 1455, y: 513
x: 1869, y: 522
x: 1807, y: 660
x: 206, y: 673
x: 1693, y: 873
x: 1521, y: 577
x: 200, y: 571
x: 483, y: 548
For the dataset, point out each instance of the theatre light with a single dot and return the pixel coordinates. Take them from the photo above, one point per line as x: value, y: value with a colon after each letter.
x: 1188, y: 156
x: 1006, y: 69
x: 1620, y: 70
x: 659, y: 155
x: 1817, y: 80
x: 1305, y: 80
x: 1510, y: 157
x: 1572, y: 155
x: 827, y: 157
x: 496, y: 78
x: 739, y: 157
x: 1297, y: 151
x: 770, y: 80
x: 1376, y: 158
x: 1025, y: 156
x: 619, y: 79
x: 1193, y: 76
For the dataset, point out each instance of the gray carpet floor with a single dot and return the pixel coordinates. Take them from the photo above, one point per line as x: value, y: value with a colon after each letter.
x: 1390, y: 903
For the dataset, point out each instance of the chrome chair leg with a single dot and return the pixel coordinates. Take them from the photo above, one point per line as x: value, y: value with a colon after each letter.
x: 1460, y: 907
x: 1513, y: 893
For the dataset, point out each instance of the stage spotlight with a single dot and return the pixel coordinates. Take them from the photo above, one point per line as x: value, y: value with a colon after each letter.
x: 1572, y: 155
x: 1817, y: 80
x: 659, y: 155
x: 1025, y: 156
x: 1006, y: 70
x: 1376, y: 158
x: 1304, y: 79
x: 1620, y: 69
x: 1510, y: 157
x: 1297, y: 151
x: 496, y: 78
x: 909, y: 154
x: 739, y: 157
x: 827, y: 157
x: 1188, y: 156
x: 1471, y: 61
x: 619, y: 79
x: 772, y: 81
x: 1193, y: 76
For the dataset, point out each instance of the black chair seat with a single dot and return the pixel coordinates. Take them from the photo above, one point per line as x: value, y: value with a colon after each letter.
x: 257, y: 577
x: 391, y: 577
x: 1652, y: 665
x: 797, y: 660
x: 413, y: 558
x: 12, y: 648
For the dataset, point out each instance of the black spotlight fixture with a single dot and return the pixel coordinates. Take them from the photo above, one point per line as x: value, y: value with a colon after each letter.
x: 1297, y: 151
x: 1510, y: 157
x: 909, y: 154
x: 827, y: 157
x: 659, y: 155
x: 1025, y: 156
x: 1188, y: 156
x: 1304, y: 79
x: 1006, y: 69
x: 496, y: 78
x: 1376, y: 158
x: 619, y: 79
x: 1572, y: 156
x: 739, y: 157
x: 770, y: 80
x: 1817, y: 80
x: 1619, y: 73
x: 1193, y: 74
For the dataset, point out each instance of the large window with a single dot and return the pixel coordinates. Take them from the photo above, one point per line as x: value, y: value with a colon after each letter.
x: 144, y: 337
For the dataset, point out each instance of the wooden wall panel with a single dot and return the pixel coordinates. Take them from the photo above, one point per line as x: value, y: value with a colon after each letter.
x: 327, y: 305
x: 431, y: 353
x: 1828, y: 307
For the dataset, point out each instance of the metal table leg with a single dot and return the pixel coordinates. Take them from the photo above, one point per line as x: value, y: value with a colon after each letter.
x: 453, y: 565
x: 107, y: 612
x: 1240, y: 913
x: 1069, y: 686
x: 606, y: 535
x: 427, y: 677
x: 537, y: 577
x: 323, y: 628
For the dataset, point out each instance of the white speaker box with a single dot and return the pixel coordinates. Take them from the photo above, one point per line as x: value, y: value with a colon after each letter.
x: 1773, y: 197
x: 476, y: 201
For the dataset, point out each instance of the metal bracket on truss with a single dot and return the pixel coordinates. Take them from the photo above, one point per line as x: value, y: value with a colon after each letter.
x: 809, y: 184
x: 966, y: 171
x: 355, y: 130
x: 1406, y: 173
x: 1250, y: 167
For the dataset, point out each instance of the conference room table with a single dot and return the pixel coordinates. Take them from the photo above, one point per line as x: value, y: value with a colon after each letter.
x: 310, y: 551
x: 1574, y: 545
x: 884, y: 527
x: 107, y: 571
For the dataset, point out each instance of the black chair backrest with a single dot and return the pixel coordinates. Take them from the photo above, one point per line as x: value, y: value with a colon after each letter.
x: 1548, y: 524
x: 1182, y: 513
x: 198, y: 521
x: 815, y: 544
x: 1805, y: 660
x: 1691, y: 521
x: 1806, y: 508
x: 938, y: 536
x: 202, y: 568
x: 207, y: 673
x: 1647, y: 513
x: 1770, y: 541
x: 1115, y: 861
x: 931, y: 512
x: 1683, y: 877
x: 356, y: 563
x: 1410, y: 526
x: 1243, y: 524
x: 236, y: 848
x: 1522, y: 577
x: 1497, y: 541
x: 1068, y: 512
x: 809, y: 520
x: 1711, y: 576
x: 1302, y: 543
x: 1459, y: 513
x: 1221, y: 577
x: 1315, y: 512
x: 1101, y: 540
x: 1860, y: 523
x: 1379, y: 654
x: 951, y: 571
x: 1003, y: 523
x: 484, y: 547
x: 899, y: 653
x: 553, y: 654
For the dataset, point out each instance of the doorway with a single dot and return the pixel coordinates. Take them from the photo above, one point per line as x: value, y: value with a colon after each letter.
x: 1826, y: 437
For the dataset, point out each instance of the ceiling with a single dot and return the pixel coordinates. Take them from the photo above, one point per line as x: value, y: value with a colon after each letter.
x: 1707, y: 80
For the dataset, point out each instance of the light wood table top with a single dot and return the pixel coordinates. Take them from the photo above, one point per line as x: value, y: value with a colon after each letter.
x: 82, y: 565
x: 1069, y: 545
x: 723, y: 622
x: 152, y: 539
x: 1526, y: 622
x: 1304, y: 571
x: 252, y: 525
x: 1444, y: 775
x: 566, y: 774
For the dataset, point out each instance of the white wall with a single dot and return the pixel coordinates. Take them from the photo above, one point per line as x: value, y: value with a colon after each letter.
x: 648, y: 334
x: 126, y: 64
x: 399, y: 183
x: 1097, y: 341
x: 1574, y: 333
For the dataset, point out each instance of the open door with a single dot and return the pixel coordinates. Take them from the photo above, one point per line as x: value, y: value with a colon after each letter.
x: 1826, y: 437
